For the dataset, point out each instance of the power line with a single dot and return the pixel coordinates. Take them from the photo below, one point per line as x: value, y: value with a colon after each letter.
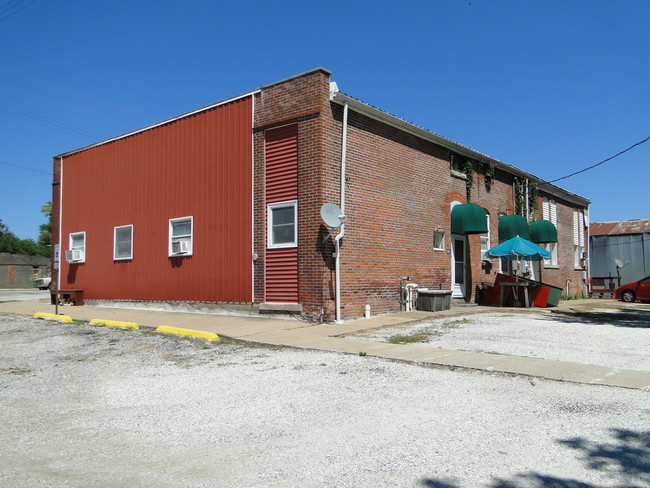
x: 66, y: 90
x: 47, y: 122
x: 12, y: 7
x: 25, y: 167
x: 602, y: 162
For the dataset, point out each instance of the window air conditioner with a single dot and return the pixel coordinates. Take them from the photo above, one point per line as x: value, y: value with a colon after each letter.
x: 74, y: 255
x: 180, y: 247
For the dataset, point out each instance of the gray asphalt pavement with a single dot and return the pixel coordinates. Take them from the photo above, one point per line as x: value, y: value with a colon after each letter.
x: 8, y: 295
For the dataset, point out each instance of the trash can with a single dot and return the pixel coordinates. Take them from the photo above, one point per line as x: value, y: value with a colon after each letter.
x: 434, y: 300
x: 540, y: 295
x: 553, y: 296
x: 547, y: 295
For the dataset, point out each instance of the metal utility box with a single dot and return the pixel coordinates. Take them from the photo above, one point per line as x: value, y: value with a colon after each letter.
x: 434, y: 300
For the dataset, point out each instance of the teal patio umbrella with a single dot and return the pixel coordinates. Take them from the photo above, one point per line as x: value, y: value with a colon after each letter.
x: 518, y: 248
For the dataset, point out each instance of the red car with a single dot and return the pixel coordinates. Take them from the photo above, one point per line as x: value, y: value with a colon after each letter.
x: 639, y: 290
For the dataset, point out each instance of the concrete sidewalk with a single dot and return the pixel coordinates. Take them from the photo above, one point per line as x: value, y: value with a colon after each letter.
x: 330, y: 337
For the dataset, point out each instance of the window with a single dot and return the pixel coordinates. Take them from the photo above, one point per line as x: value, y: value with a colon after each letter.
x: 283, y: 224
x: 552, y: 248
x: 123, y: 242
x: 77, y: 251
x: 438, y: 240
x: 456, y: 164
x: 485, y: 237
x: 578, y: 256
x: 180, y: 236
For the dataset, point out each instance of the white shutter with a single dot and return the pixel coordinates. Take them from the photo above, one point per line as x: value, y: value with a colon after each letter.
x: 553, y: 212
x: 545, y: 211
x: 576, y: 238
x: 581, y: 229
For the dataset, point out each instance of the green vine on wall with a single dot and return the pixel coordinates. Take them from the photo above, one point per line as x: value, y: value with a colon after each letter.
x: 488, y: 170
x: 461, y: 165
x: 469, y: 178
x: 519, y: 196
x: 465, y: 166
x: 533, y: 200
x: 521, y: 205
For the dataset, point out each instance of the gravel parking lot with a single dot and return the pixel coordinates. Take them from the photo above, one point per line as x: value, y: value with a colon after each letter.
x: 611, y: 338
x: 92, y: 406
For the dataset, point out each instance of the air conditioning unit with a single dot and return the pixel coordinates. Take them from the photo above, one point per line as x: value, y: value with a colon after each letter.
x: 74, y: 255
x: 180, y: 247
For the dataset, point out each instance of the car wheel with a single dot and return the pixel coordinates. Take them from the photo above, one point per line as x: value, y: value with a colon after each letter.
x: 628, y: 296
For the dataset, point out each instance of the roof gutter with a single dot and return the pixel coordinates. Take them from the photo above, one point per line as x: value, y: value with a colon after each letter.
x: 381, y: 116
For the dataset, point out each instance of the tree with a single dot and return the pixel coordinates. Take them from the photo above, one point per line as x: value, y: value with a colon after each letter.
x: 14, y: 245
x: 8, y: 241
x: 45, y: 235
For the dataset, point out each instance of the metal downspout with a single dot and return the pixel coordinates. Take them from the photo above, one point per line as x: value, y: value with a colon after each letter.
x: 60, y: 260
x: 587, y: 272
x: 337, y: 240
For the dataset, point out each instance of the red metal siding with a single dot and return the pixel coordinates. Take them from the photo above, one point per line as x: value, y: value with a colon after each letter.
x: 281, y: 164
x: 282, y: 275
x: 281, y: 271
x: 199, y: 166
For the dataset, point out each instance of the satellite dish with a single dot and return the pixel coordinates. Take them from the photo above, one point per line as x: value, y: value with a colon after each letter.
x: 332, y: 215
x: 620, y: 264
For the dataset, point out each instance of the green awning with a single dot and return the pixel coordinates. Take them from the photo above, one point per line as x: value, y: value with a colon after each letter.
x: 468, y: 218
x: 543, y: 231
x: 512, y: 226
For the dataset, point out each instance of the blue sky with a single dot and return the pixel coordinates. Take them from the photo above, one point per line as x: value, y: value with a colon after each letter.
x: 548, y: 86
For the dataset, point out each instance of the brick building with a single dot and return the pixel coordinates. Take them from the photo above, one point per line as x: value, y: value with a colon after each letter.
x: 19, y: 270
x: 223, y: 205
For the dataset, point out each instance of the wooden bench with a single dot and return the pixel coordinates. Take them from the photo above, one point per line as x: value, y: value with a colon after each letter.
x: 599, y: 286
x: 76, y: 297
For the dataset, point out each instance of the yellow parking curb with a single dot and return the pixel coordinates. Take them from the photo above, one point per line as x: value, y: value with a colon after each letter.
x: 115, y: 323
x: 210, y: 336
x: 52, y: 316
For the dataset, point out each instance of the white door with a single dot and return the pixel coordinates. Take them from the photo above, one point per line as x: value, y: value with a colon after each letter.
x: 458, y: 277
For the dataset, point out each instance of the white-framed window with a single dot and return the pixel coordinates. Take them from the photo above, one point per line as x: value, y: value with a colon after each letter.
x: 485, y: 237
x: 180, y: 236
x: 552, y: 248
x: 77, y: 251
x: 578, y: 256
x: 438, y: 240
x: 283, y: 224
x: 123, y: 242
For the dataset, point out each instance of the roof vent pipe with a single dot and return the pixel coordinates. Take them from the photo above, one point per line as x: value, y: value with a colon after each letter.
x: 337, y: 240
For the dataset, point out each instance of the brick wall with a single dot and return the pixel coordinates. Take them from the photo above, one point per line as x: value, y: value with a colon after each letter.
x: 302, y: 101
x: 399, y: 190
